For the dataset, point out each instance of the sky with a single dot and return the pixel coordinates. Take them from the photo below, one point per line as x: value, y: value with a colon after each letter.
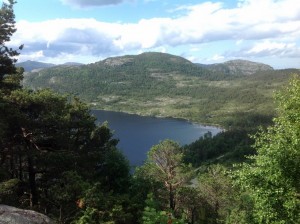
x: 86, y: 31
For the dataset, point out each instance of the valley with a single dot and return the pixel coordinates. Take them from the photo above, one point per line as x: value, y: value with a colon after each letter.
x: 164, y: 85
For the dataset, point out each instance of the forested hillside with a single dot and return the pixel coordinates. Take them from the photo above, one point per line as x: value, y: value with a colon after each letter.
x: 56, y: 160
x: 32, y: 65
x: 159, y: 84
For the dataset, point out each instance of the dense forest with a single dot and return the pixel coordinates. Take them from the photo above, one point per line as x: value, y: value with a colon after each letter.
x: 55, y: 159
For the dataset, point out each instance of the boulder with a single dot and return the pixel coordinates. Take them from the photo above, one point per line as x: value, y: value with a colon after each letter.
x: 12, y: 215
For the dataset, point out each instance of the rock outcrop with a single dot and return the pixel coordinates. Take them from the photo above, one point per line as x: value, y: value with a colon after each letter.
x: 237, y: 67
x: 12, y: 215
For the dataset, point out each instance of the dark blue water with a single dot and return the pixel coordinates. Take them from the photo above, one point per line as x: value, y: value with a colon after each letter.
x: 137, y: 134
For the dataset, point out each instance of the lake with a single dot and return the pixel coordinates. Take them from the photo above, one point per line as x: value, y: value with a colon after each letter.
x: 137, y: 134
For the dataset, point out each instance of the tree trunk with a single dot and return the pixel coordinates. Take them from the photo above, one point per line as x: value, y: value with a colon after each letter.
x: 171, y: 198
x: 20, y: 168
x: 32, y: 183
x: 12, y: 163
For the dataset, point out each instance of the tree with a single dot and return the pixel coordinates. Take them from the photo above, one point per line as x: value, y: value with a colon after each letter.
x: 165, y: 164
x: 191, y: 204
x: 66, y: 189
x: 49, y: 134
x: 152, y: 215
x: 216, y: 190
x: 101, y: 206
x: 7, y: 28
x: 272, y: 179
x: 51, y: 150
x: 10, y: 77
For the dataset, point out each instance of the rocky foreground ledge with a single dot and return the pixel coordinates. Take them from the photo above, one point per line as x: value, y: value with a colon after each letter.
x: 12, y: 215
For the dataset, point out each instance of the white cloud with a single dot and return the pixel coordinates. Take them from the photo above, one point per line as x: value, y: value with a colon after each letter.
x: 239, y: 42
x: 217, y: 57
x: 269, y: 48
x: 277, y: 21
x: 91, y: 3
x: 266, y: 48
x: 34, y: 56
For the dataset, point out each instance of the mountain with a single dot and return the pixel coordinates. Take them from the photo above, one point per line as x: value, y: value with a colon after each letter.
x: 159, y: 84
x: 32, y: 65
x: 151, y: 63
x: 237, y: 67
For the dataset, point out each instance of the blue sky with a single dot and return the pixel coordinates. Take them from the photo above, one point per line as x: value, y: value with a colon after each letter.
x: 86, y: 31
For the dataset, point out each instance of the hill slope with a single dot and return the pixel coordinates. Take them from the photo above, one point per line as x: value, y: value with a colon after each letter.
x: 32, y: 65
x: 160, y: 84
x: 236, y: 67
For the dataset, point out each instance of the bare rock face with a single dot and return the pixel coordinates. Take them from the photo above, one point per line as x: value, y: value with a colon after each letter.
x: 118, y: 61
x: 12, y: 215
x: 246, y: 67
x: 238, y: 67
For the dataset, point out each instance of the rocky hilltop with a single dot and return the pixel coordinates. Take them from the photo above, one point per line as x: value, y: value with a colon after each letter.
x: 238, y: 67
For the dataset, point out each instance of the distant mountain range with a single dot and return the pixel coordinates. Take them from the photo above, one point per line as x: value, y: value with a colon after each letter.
x: 232, y: 67
x: 30, y: 66
x: 160, y: 84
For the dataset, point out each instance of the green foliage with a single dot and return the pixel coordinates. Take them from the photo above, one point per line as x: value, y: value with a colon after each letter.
x: 242, y: 211
x: 52, y: 154
x: 7, y: 60
x: 168, y: 176
x: 53, y: 146
x: 152, y: 215
x: 100, y: 206
x: 89, y: 216
x: 140, y: 188
x: 226, y: 147
x: 191, y: 205
x: 217, y: 192
x: 272, y: 180
x: 164, y: 164
x: 113, y: 171
x: 63, y: 193
x: 9, y: 191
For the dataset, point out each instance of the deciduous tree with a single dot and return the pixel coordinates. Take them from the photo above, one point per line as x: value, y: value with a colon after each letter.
x: 273, y: 178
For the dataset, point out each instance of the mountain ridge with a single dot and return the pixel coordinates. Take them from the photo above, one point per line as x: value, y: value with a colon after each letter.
x: 30, y: 65
x: 230, y: 67
x: 159, y: 84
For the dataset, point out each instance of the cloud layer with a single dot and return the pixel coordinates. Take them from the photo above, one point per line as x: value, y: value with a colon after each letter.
x: 91, y: 3
x: 260, y: 28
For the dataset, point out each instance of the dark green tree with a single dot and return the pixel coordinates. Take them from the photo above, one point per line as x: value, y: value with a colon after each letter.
x: 52, y: 151
x: 10, y: 77
x: 7, y: 29
x: 217, y: 193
